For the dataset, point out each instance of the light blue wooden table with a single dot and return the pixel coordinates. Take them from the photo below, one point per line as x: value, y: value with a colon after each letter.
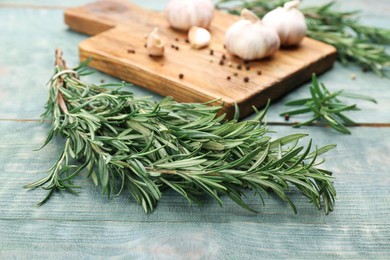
x: 90, y: 226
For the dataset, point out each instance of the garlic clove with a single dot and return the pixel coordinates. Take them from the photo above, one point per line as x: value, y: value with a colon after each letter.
x: 199, y: 37
x: 289, y: 22
x: 183, y: 14
x: 154, y: 44
x: 250, y: 39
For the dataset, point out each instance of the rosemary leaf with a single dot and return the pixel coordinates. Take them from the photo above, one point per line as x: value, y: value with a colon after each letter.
x: 136, y: 145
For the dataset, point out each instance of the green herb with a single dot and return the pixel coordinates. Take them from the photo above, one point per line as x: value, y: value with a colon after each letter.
x: 144, y: 147
x: 326, y: 107
x: 355, y: 42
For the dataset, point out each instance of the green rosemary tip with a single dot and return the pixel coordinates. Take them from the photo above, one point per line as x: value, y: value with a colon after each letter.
x: 326, y: 107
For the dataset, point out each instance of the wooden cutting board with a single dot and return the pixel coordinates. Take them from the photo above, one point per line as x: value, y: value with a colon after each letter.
x: 117, y: 48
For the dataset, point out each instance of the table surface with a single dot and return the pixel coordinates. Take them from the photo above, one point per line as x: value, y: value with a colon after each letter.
x: 89, y: 225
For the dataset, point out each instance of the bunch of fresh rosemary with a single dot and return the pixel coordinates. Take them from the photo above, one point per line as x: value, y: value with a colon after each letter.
x: 145, y: 147
x: 326, y: 107
x: 355, y: 42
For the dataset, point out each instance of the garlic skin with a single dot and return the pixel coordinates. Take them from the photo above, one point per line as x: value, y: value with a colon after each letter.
x: 199, y: 37
x: 183, y: 14
x: 154, y: 44
x: 289, y: 22
x: 250, y: 39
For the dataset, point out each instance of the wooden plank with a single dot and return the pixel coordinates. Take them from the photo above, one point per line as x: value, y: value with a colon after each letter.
x: 159, y: 240
x: 88, y: 225
x: 120, y: 26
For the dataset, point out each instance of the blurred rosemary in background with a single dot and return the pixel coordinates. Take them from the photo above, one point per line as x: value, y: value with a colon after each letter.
x: 355, y: 43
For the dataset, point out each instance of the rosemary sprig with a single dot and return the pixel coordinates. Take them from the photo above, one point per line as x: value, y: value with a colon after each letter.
x: 355, y: 42
x: 326, y: 107
x: 145, y: 147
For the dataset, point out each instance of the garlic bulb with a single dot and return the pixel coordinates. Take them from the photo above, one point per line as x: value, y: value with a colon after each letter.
x: 183, y: 14
x: 289, y: 22
x: 199, y: 37
x: 250, y: 39
x: 154, y: 44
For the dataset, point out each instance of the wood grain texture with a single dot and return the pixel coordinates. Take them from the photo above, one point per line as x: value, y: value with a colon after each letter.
x: 89, y: 225
x: 189, y: 241
x: 120, y: 26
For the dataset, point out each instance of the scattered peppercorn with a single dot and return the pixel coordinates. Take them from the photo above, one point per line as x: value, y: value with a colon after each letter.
x: 177, y: 39
x: 228, y: 78
x: 131, y: 51
x: 246, y: 79
x: 248, y: 67
x: 102, y: 81
x: 223, y: 56
x: 221, y: 62
x: 211, y: 52
x: 172, y: 46
x: 224, y: 46
x: 187, y: 41
x: 230, y: 64
x: 286, y: 117
x: 259, y: 72
x: 235, y: 74
x: 177, y: 48
x: 145, y: 45
x: 239, y: 66
x: 181, y: 76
